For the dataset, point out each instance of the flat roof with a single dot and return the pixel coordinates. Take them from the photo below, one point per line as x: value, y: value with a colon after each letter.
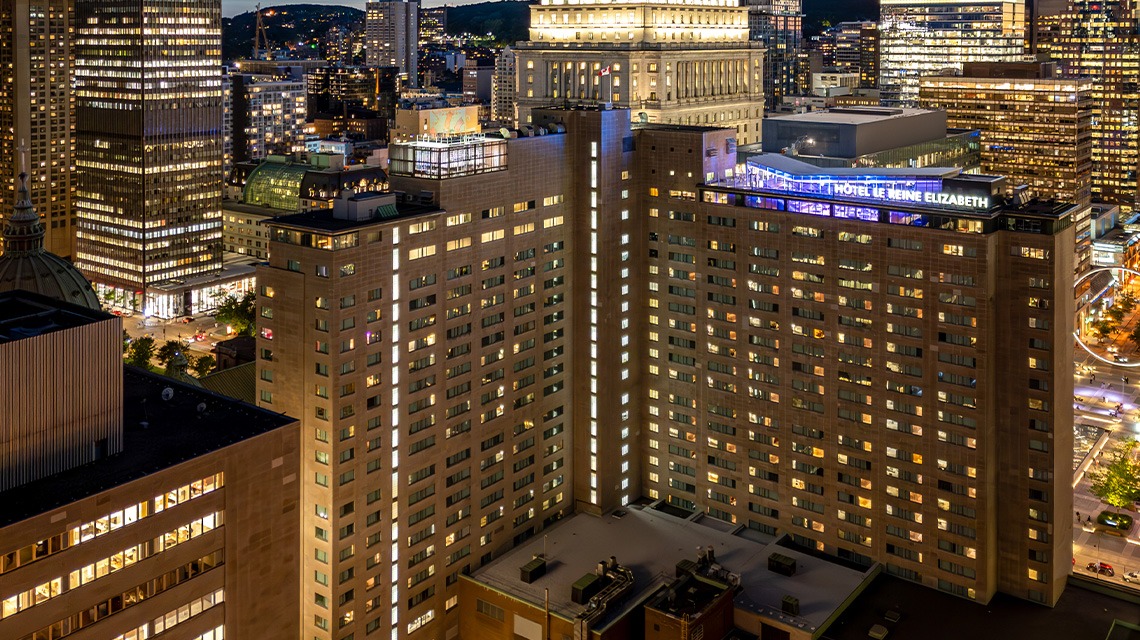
x: 852, y: 115
x: 789, y: 164
x: 651, y: 543
x: 192, y: 423
x: 24, y: 314
x: 929, y: 614
x: 323, y: 220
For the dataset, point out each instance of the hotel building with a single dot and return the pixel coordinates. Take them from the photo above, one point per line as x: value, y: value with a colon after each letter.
x: 690, y: 63
x: 37, y: 111
x: 141, y: 506
x: 149, y: 151
x: 924, y: 37
x: 391, y: 36
x: 861, y: 358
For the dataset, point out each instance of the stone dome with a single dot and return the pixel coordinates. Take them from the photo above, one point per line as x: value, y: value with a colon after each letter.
x: 26, y: 265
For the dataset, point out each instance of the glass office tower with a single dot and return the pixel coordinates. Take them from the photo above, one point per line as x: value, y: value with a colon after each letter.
x: 924, y: 37
x: 148, y: 91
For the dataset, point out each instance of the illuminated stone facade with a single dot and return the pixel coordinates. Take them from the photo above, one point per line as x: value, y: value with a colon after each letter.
x: 924, y: 37
x: 690, y: 63
x: 149, y: 144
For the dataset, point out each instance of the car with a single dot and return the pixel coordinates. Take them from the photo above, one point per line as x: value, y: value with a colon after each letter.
x: 1102, y: 568
x: 1131, y: 576
x: 1120, y: 358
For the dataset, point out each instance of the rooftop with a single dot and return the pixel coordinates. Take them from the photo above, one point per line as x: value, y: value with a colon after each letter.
x: 193, y: 422
x: 789, y: 164
x: 24, y: 314
x: 852, y: 115
x: 650, y: 543
x: 323, y: 220
x: 1080, y: 613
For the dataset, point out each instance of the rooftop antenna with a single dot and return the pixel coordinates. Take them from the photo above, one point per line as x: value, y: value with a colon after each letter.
x: 260, y: 38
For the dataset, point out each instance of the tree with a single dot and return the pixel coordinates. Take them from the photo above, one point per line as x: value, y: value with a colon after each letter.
x: 1118, y: 483
x: 1127, y: 301
x: 1135, y: 335
x: 202, y: 365
x: 1103, y: 329
x: 140, y: 352
x: 126, y: 341
x: 1116, y: 313
x: 238, y: 313
x: 169, y: 349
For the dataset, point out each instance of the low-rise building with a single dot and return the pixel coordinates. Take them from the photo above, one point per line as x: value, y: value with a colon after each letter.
x: 180, y: 510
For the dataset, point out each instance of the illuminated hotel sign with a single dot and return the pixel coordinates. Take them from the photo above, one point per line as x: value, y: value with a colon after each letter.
x: 919, y: 190
x: 911, y: 196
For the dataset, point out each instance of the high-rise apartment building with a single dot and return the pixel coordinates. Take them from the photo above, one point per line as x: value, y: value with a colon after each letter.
x: 864, y: 359
x: 503, y: 94
x: 433, y: 25
x: 268, y: 116
x: 1045, y: 143
x: 391, y: 36
x: 918, y: 38
x: 140, y: 505
x: 149, y: 150
x: 1100, y: 41
x: 690, y: 63
x: 37, y: 112
x: 856, y: 48
x: 778, y: 24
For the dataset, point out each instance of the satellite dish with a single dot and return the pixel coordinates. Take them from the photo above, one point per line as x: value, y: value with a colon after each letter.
x: 167, y: 394
x: 201, y: 407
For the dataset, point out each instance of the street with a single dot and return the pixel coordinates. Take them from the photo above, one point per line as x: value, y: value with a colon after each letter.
x: 1103, y: 400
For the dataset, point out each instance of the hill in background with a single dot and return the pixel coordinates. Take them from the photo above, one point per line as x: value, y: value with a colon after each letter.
x: 507, y: 19
x: 296, y: 24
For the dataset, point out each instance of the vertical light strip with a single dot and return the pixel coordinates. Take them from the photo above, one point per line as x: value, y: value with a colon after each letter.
x: 394, y: 383
x: 594, y: 322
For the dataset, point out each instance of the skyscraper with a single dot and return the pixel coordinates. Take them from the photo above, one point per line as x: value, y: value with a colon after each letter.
x: 688, y: 63
x: 1100, y: 41
x: 857, y: 48
x: 149, y: 148
x: 391, y: 36
x: 503, y: 95
x: 919, y: 37
x: 778, y: 24
x: 37, y: 110
x: 1045, y: 143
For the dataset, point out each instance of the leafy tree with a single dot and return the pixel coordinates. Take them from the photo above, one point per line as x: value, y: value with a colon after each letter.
x: 169, y: 349
x: 238, y: 313
x: 202, y: 365
x: 126, y: 341
x: 140, y: 352
x: 1116, y: 313
x: 1135, y: 335
x: 1118, y: 483
x: 1126, y: 301
x: 1103, y: 329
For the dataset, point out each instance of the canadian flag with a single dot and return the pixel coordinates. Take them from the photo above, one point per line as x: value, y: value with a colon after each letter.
x: 604, y: 72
